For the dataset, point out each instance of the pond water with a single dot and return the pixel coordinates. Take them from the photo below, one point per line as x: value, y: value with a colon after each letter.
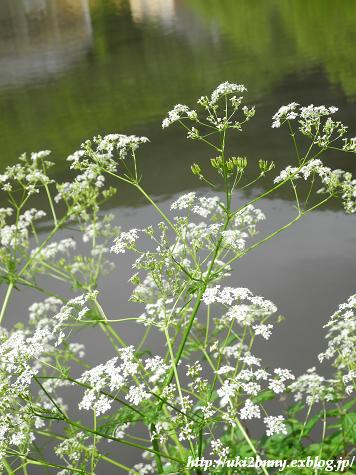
x: 70, y: 69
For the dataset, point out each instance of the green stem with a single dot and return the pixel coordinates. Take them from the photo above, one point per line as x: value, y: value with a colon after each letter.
x: 294, y: 141
x: 119, y: 465
x: 122, y: 441
x: 207, y: 328
x: 45, y: 242
x: 248, y: 440
x: 156, y: 448
x: 176, y: 377
x: 93, y: 449
x: 108, y: 326
x: 270, y: 236
x: 7, y: 467
x: 157, y: 208
x: 103, y: 457
x: 51, y: 205
x: 6, y: 300
x: 32, y: 461
x: 186, y: 334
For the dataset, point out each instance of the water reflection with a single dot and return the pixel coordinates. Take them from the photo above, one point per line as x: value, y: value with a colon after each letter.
x: 40, y: 38
x: 81, y: 67
x: 287, y: 37
x: 157, y: 10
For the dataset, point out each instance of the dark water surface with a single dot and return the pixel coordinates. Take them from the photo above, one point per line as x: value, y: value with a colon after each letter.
x: 70, y: 69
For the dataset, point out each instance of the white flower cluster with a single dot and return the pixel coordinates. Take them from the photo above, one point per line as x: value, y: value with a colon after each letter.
x: 341, y: 338
x: 211, y: 106
x: 144, y: 468
x: 313, y: 166
x: 105, y: 147
x: 308, y: 115
x: 198, y: 384
x: 247, y: 219
x: 341, y: 335
x: 334, y: 181
x: 184, y: 201
x: 226, y: 88
x: 119, y: 142
x: 165, y: 267
x: 313, y: 388
x: 160, y: 313
x: 16, y: 425
x: 74, y: 310
x: 244, y: 308
x: 94, y: 158
x: 275, y: 425
x: 42, y: 310
x: 234, y: 238
x: 12, y: 234
x: 51, y: 251
x: 73, y: 448
x: 23, y: 353
x: 284, y: 113
x: 315, y: 122
x: 157, y: 368
x: 249, y: 381
x: 281, y: 376
x: 102, y: 228
x: 114, y: 374
x: 250, y: 410
x: 241, y: 373
x: 206, y: 205
x: 30, y: 174
x: 179, y: 112
x: 219, y: 449
x: 121, y: 373
x: 126, y: 240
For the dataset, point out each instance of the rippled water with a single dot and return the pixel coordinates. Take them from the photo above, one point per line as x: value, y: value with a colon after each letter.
x: 70, y: 69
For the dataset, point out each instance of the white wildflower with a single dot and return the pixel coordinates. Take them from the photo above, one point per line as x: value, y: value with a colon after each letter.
x: 226, y: 88
x: 184, y: 201
x: 284, y: 113
x: 250, y: 410
x: 179, y: 112
x: 186, y: 432
x: 234, y: 239
x: 137, y: 394
x: 125, y: 241
x: 275, y: 425
x: 264, y: 330
x: 226, y: 392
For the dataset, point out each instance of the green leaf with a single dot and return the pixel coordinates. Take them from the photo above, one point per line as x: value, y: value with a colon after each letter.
x: 350, y: 404
x: 299, y: 406
x: 349, y: 426
x: 311, y: 424
x: 122, y: 416
x: 266, y: 395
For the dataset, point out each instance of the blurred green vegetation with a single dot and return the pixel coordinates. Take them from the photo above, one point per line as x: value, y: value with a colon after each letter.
x: 281, y: 37
x: 133, y: 73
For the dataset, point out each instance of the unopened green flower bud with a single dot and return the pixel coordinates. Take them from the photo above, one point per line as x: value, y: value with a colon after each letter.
x: 135, y: 279
x: 240, y: 162
x: 265, y: 166
x: 249, y: 112
x: 229, y: 165
x: 216, y: 162
x: 196, y: 170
